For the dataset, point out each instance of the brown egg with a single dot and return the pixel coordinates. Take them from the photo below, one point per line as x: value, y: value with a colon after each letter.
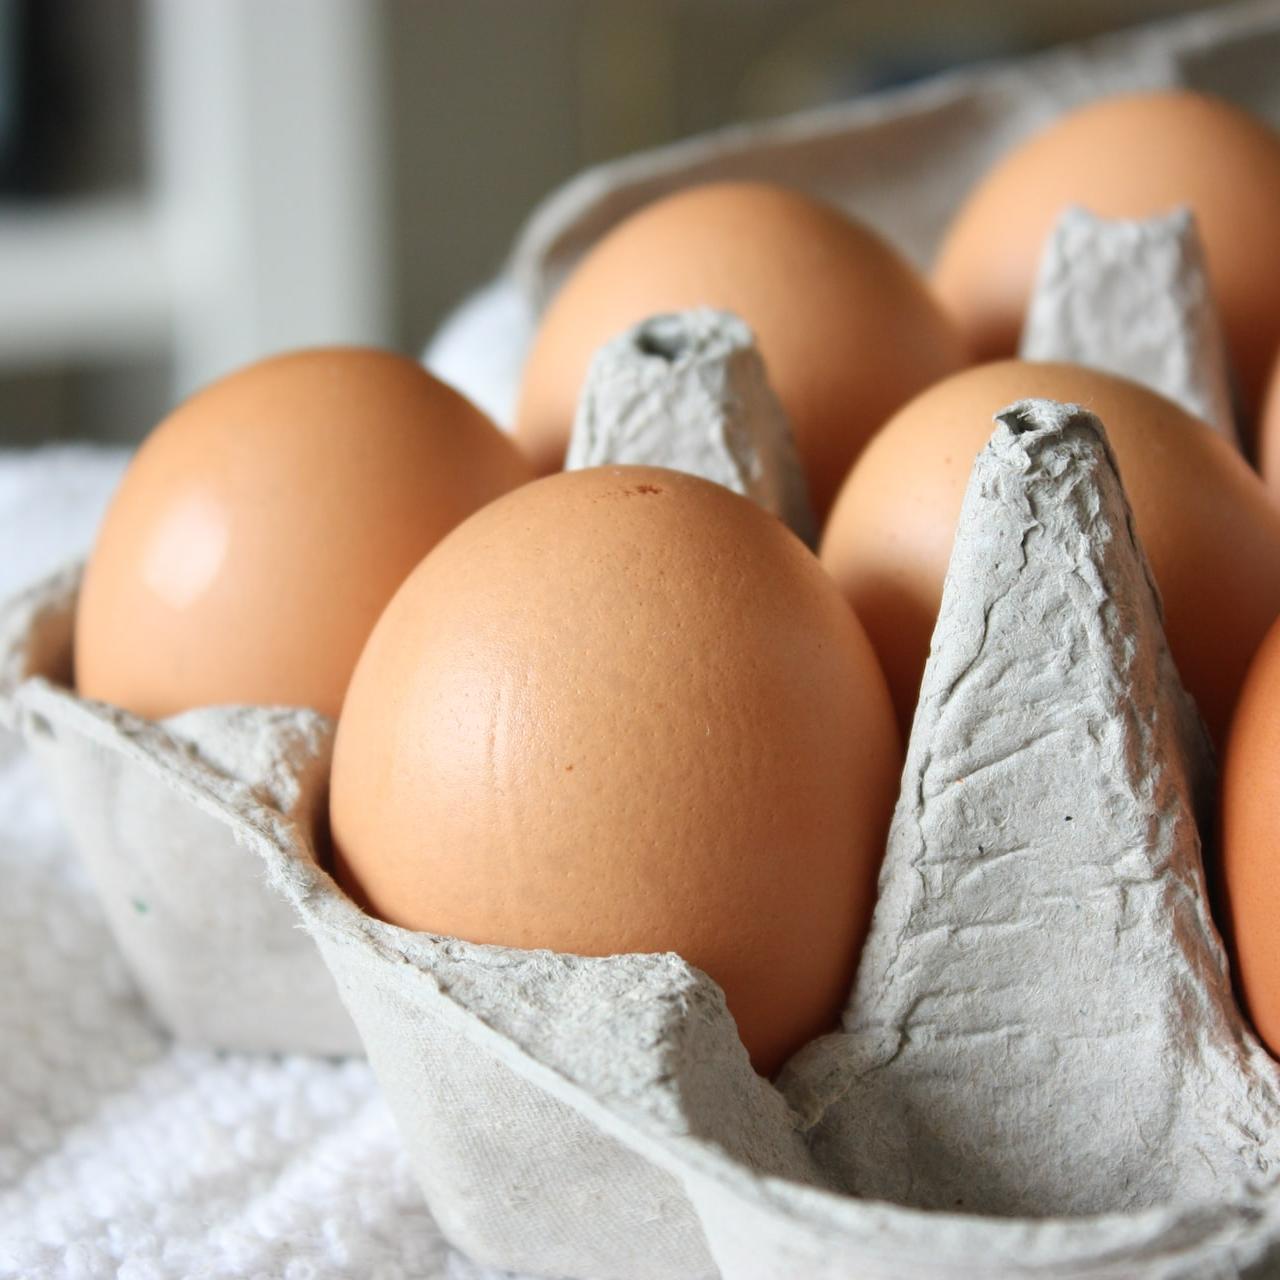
x: 1269, y: 432
x: 1209, y: 529
x: 266, y: 522
x: 1250, y: 840
x: 1131, y: 156
x: 624, y: 710
x: 847, y: 328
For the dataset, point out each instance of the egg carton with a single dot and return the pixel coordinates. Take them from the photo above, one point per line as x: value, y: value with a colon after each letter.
x: 598, y: 1117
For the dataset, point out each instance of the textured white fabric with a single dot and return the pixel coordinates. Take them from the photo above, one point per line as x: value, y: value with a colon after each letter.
x: 121, y: 1156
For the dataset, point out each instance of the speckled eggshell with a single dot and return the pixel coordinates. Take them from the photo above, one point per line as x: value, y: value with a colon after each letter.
x: 625, y: 710
x: 847, y: 328
x: 1204, y: 518
x: 1249, y: 856
x: 1131, y: 156
x: 266, y: 522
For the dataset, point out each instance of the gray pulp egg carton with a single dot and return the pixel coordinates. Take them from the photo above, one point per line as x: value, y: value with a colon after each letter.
x: 1040, y: 1070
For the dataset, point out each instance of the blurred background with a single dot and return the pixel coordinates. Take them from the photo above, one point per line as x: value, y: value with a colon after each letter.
x: 188, y: 184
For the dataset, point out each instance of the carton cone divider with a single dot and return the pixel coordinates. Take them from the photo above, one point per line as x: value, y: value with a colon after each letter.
x: 1132, y: 297
x: 1042, y: 1022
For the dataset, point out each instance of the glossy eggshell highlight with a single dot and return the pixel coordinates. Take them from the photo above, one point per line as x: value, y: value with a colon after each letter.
x: 1250, y: 841
x: 847, y: 328
x: 1131, y: 156
x: 264, y: 525
x: 625, y: 710
x: 1209, y: 529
